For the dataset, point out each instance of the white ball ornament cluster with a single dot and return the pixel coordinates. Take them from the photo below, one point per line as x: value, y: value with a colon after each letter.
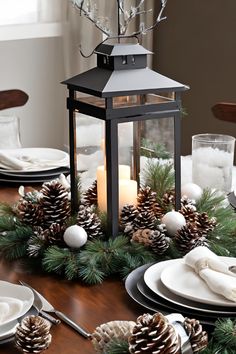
x: 191, y: 191
x: 75, y: 236
x: 174, y: 221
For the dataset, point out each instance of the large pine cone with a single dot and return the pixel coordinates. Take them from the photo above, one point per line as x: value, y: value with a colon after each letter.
x: 109, y: 331
x: 189, y: 212
x: 146, y: 200
x: 159, y: 241
x: 154, y: 334
x: 32, y: 335
x: 29, y: 212
x: 54, y: 234
x: 128, y: 214
x: 189, y: 237
x: 55, y: 203
x: 164, y: 205
x: 198, y: 338
x: 90, y: 196
x: 145, y: 220
x: 204, y: 223
x: 91, y: 223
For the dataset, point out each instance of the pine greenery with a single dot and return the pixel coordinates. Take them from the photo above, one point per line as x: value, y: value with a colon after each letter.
x: 13, y: 243
x: 153, y: 150
x: 117, y: 346
x: 5, y: 209
x: 159, y: 177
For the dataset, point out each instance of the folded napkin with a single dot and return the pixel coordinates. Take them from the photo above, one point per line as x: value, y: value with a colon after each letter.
x: 9, y: 308
x: 24, y: 162
x: 213, y: 271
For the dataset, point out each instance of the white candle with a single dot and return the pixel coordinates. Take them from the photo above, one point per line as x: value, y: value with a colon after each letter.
x: 127, y: 191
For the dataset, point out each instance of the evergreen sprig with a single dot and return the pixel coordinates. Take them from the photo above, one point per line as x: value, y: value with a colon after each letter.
x: 8, y: 223
x: 117, y: 346
x: 6, y: 209
x: 159, y: 177
x: 154, y: 150
x: 13, y: 243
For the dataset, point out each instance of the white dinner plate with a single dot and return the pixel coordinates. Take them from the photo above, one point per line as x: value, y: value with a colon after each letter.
x: 182, y: 280
x: 15, y: 301
x: 152, y: 278
x: 53, y: 158
x: 8, y: 330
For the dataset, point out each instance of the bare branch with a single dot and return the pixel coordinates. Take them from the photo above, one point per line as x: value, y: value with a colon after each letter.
x: 79, y: 5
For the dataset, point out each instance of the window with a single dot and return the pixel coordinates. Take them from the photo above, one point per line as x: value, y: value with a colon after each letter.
x: 18, y: 11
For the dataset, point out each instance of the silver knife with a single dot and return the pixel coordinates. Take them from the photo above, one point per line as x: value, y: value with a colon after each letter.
x: 49, y: 308
x: 38, y: 304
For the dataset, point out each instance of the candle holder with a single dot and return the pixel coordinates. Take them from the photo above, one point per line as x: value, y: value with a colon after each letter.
x: 121, y: 89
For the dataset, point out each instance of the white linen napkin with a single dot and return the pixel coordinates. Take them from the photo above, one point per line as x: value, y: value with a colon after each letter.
x: 213, y: 271
x: 24, y: 162
x: 9, y: 308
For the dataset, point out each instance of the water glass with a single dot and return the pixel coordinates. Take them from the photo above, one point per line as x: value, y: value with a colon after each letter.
x: 212, y: 156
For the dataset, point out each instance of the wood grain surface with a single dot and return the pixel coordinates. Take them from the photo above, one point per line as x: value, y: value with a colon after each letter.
x: 89, y: 306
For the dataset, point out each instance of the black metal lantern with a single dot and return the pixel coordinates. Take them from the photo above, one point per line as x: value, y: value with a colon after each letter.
x: 122, y: 89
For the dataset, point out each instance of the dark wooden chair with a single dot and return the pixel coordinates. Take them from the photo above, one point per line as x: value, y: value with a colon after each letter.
x: 12, y: 98
x: 225, y: 111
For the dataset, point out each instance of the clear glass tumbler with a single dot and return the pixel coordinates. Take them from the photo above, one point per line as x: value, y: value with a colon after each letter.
x: 212, y: 156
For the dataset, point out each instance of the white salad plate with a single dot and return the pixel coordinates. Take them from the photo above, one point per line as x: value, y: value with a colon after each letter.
x: 15, y: 301
x: 43, y: 159
x: 152, y: 278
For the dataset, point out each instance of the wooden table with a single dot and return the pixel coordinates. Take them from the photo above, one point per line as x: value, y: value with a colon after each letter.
x: 89, y: 306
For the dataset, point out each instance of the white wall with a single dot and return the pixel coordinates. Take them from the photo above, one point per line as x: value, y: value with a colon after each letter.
x: 36, y: 66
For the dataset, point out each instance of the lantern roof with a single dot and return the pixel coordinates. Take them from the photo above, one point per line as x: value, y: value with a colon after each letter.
x: 122, y: 70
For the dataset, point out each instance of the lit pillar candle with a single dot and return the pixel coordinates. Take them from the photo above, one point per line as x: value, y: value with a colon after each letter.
x: 124, y: 187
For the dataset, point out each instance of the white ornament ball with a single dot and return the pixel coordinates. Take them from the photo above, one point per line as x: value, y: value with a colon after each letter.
x: 191, y: 191
x: 174, y: 221
x: 75, y: 236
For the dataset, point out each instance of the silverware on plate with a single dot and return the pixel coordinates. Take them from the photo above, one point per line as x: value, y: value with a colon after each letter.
x: 49, y: 308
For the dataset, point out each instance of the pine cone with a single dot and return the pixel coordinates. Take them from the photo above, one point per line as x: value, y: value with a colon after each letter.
x: 29, y: 212
x: 106, y: 332
x: 198, y: 338
x: 159, y: 242
x: 154, y: 334
x: 87, y: 219
x: 146, y: 200
x: 54, y: 234
x: 90, y: 196
x: 32, y: 335
x: 189, y: 212
x: 142, y: 236
x: 128, y: 214
x: 204, y: 223
x: 55, y: 203
x: 129, y: 229
x: 144, y: 220
x: 189, y: 237
x: 165, y: 204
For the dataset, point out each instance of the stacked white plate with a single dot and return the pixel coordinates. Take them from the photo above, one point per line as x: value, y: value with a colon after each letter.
x: 171, y: 286
x: 15, y: 302
x: 32, y: 164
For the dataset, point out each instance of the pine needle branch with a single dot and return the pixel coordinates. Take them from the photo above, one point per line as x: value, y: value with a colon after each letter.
x: 209, y: 202
x: 13, y: 244
x: 57, y: 260
x: 6, y: 209
x: 117, y: 346
x: 159, y: 177
x: 225, y: 333
x: 8, y: 223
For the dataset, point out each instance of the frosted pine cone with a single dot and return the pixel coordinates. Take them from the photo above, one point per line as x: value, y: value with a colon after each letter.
x: 106, y: 332
x: 154, y: 334
x: 159, y: 241
x: 146, y: 200
x: 29, y: 212
x: 55, y: 203
x: 189, y: 237
x: 32, y: 335
x: 205, y: 224
x: 90, y: 196
x: 198, y: 338
x: 189, y: 212
x: 145, y: 220
x: 128, y: 214
x: 90, y: 222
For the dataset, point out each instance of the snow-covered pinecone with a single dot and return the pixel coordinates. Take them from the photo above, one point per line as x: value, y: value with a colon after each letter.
x: 128, y: 214
x: 145, y: 220
x: 90, y: 196
x: 204, y: 223
x: 55, y: 203
x: 190, y: 213
x: 91, y: 223
x: 189, y: 237
x: 29, y: 212
x: 159, y: 241
x: 198, y: 338
x: 146, y: 200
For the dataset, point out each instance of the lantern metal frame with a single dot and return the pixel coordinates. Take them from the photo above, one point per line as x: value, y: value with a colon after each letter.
x: 102, y: 106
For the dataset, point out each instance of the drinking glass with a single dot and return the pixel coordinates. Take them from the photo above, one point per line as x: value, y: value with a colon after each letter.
x: 212, y: 156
